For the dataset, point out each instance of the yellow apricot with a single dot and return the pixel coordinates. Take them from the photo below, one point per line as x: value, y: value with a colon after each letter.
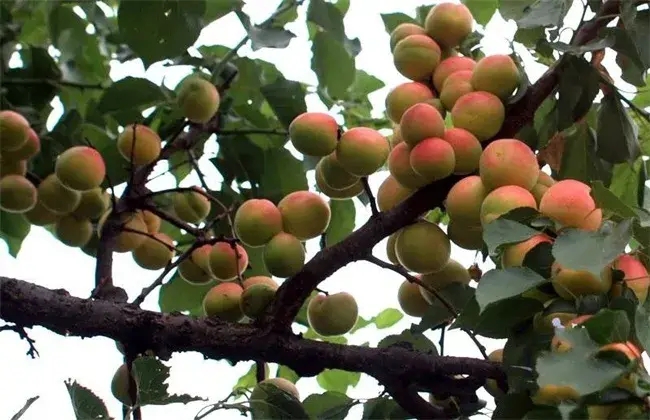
x: 314, y: 133
x: 223, y: 301
x: 227, y: 262
x: 455, y: 86
x: 464, y: 200
x: 73, y: 231
x: 191, y: 206
x: 497, y: 74
x: 305, y: 214
x: 411, y: 300
x: 154, y: 254
x: 361, y: 151
x: 17, y: 194
x: 284, y: 255
x: 504, y: 199
x: 480, y: 113
x: 147, y: 144
x: 391, y: 193
x: 421, y: 121
x: 334, y: 314
x: 403, y: 30
x: 404, y: 96
x: 449, y: 24
x: 414, y: 243
x: 496, y: 165
x: 569, y: 202
x: 433, y: 159
x: 399, y: 166
x: 28, y: 150
x: 257, y: 221
x: 14, y: 130
x: 450, y: 66
x: 198, y: 99
x: 467, y: 150
x: 416, y: 57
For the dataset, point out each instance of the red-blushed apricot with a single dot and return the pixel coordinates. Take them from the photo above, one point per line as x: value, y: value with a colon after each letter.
x: 449, y: 24
x: 334, y: 174
x: 314, y: 133
x: 404, y: 96
x: 455, y: 86
x: 260, y: 280
x: 480, y: 113
x: 151, y: 220
x: 508, y: 162
x: 334, y: 314
x: 255, y: 299
x: 40, y: 215
x: 349, y: 192
x: 196, y: 268
x: 191, y: 206
x: 467, y: 150
x: 391, y: 193
x: 257, y: 221
x: 223, y: 301
x: 390, y: 248
x: 284, y: 255
x: 491, y: 386
x: 28, y: 150
x: 305, y: 214
x: 403, y: 30
x: 414, y: 244
x: 503, y: 199
x: 399, y: 166
x: 433, y: 159
x: 452, y: 272
x: 570, y: 284
x: 497, y: 74
x: 361, y: 151
x: 80, y: 168
x: 464, y: 200
x: 636, y: 277
x: 411, y: 300
x: 17, y: 194
x: 513, y: 255
x: 465, y: 235
x: 569, y: 202
x: 227, y: 261
x: 154, y: 254
x: 93, y: 204
x: 554, y: 394
x: 416, y: 57
x: 633, y: 354
x: 120, y: 386
x: 198, y: 99
x: 72, y: 231
x: 12, y: 167
x: 450, y: 66
x: 14, y: 130
x: 130, y: 239
x: 419, y: 122
x: 147, y: 144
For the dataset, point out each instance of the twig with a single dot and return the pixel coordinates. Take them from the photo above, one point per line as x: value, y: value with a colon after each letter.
x: 186, y: 189
x: 32, y: 352
x: 371, y: 197
x: 171, y: 219
x: 26, y: 81
x: 441, y: 342
x: 260, y: 371
x: 152, y: 236
x: 26, y: 406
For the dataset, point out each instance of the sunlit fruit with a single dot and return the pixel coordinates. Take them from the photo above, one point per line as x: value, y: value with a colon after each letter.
x: 433, y: 159
x: 17, y: 194
x: 635, y: 277
x: 411, y: 300
x: 198, y: 99
x: 467, y: 150
x: 154, y: 254
x: 449, y: 66
x: 334, y: 314
x: 416, y: 57
x: 256, y: 298
x: 496, y: 165
x: 391, y: 193
x: 404, y: 96
x: 504, y: 199
x: 513, y: 255
x: 399, y: 166
x: 403, y: 30
x: 362, y: 151
x: 28, y: 150
x: 223, y: 301
x: 257, y: 221
x: 569, y: 202
x: 455, y: 86
x: 419, y: 122
x: 464, y: 200
x: 305, y: 214
x: 480, y: 113
x: 196, y: 268
x: 449, y: 23
x: 14, y: 130
x: 147, y: 144
x: 497, y: 74
x: 227, y: 261
x: 571, y: 284
x: 80, y: 168
x: 414, y: 247
x: 284, y: 255
x: 314, y: 133
x: 191, y: 206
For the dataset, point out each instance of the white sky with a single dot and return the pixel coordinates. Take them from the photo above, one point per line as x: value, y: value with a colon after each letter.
x: 92, y: 362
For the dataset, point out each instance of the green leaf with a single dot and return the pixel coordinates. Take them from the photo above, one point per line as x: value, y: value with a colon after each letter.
x: 337, y: 380
x: 341, y: 221
x: 14, y: 228
x: 286, y: 98
x: 329, y: 405
x: 26, y: 406
x: 328, y: 17
x: 496, y: 285
x: 151, y: 375
x: 265, y: 37
x: 272, y: 402
x: 505, y: 231
x: 248, y: 380
x: 38, y: 64
x: 579, y: 159
x: 216, y: 9
x: 597, y: 44
x: 393, y: 20
x: 608, y: 326
x: 642, y: 325
x: 642, y: 97
x: 86, y: 405
x: 608, y: 201
x: 514, y: 9
x: 287, y: 373
x: 333, y: 65
x: 383, y: 408
x: 126, y: 99
x: 579, y: 85
x: 482, y: 10
x: 387, y: 318
x: 364, y: 84
x: 543, y: 13
x: 180, y: 295
x: 283, y: 174
x: 409, y: 340
x: 456, y: 294
x: 179, y: 166
x: 512, y: 406
x: 616, y: 137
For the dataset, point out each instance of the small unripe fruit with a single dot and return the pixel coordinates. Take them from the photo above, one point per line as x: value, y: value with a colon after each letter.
x: 570, y: 284
x: 335, y: 314
x: 154, y: 254
x: 414, y: 244
x: 543, y: 183
x: 28, y: 150
x: 14, y: 130
x: 411, y: 300
x: 314, y: 133
x: 151, y: 220
x: 467, y: 150
x: 191, y: 206
x: 80, y: 168
x: 636, y: 277
x: 223, y: 301
x: 260, y: 280
x: 227, y: 262
x: 93, y: 204
x: 361, y: 151
x: 419, y: 122
x: 17, y: 194
x: 40, y: 215
x: 349, y: 192
x: 464, y: 200
x: 513, y: 255
x: 497, y: 74
x: 456, y: 85
x: 452, y: 272
x: 480, y: 113
x: 569, y: 202
x: 399, y: 166
x: 508, y: 162
x: 449, y: 24
x: 416, y: 57
x: 465, y: 236
x: 390, y: 248
x: 257, y: 221
x: 305, y: 214
x: 450, y: 66
x: 198, y: 99
x: 391, y: 193
x: 255, y: 299
x: 129, y: 240
x: 72, y: 231
x: 504, y: 199
x: 433, y: 158
x: 147, y: 144
x: 403, y: 30
x: 196, y: 268
x: 334, y: 174
x: 491, y: 385
x: 259, y: 395
x: 284, y: 255
x: 404, y: 96
x: 120, y: 386
x: 12, y: 167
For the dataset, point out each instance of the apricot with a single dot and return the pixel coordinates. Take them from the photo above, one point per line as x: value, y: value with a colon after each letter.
x: 554, y: 394
x: 223, y: 301
x: 14, y: 130
x: 404, y: 96
x: 80, y: 168
x: 334, y: 174
x: 56, y: 197
x: 390, y: 248
x: 452, y: 272
x: 562, y: 346
x: 257, y: 221
x: 17, y: 194
x: 147, y: 144
x: 191, y: 206
x: 305, y: 214
x: 543, y: 183
x: 422, y: 247
x: 28, y: 150
x: 129, y: 240
x: 40, y: 215
x: 449, y: 24
x: 433, y: 159
x: 497, y: 74
x: 467, y: 150
x: 411, y: 300
x: 491, y: 385
x: 151, y: 220
x: 93, y: 204
x: 256, y: 298
x: 73, y: 231
x: 154, y: 254
x: 349, y: 192
x: 508, y: 162
x: 632, y: 353
x: 450, y: 66
x: 419, y: 122
x: 570, y: 284
x: 198, y: 99
x: 12, y: 167
x: 636, y: 277
x: 391, y: 193
x: 403, y: 30
x: 437, y: 104
x: 464, y: 200
x: 465, y: 235
x: 120, y: 385
x: 416, y: 57
x: 513, y: 255
x: 196, y: 268
x: 569, y: 203
x: 399, y: 166
x: 227, y: 262
x: 362, y: 151
x: 314, y: 133
x: 504, y: 199
x: 480, y: 113
x: 259, y: 395
x: 455, y: 86
x: 334, y: 314
x: 260, y: 280
x: 284, y: 255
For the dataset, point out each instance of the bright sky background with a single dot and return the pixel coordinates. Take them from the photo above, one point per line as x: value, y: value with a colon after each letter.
x: 92, y: 362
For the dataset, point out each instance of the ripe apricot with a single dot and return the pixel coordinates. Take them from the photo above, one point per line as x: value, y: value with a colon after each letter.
x: 120, y: 386
x: 349, y: 192
x: 554, y: 394
x: 450, y: 66
x: 154, y: 254
x: 569, y: 203
x: 223, y: 301
x: 390, y: 248
x: 464, y: 200
x: 467, y: 150
x: 480, y: 113
x: 73, y: 231
x: 40, y: 215
x: 411, y: 300
x: 433, y: 159
x: 570, y: 284
x: 543, y: 183
x: 14, y: 130
x: 196, y: 268
x: 391, y: 193
x: 419, y: 122
x: 497, y: 74
x: 12, y: 167
x: 513, y: 255
x: 491, y: 386
x: 28, y: 150
x: 56, y: 197
x: 198, y: 99
x: 455, y: 86
x: 504, y: 199
x: 636, y: 277
x: 314, y: 133
x: 465, y: 235
x: 147, y: 144
x: 151, y: 220
x: 508, y: 162
x: 80, y: 168
x: 414, y: 244
x: 128, y: 240
x: 191, y: 206
x: 452, y: 272
x: 403, y: 30
x: 17, y: 194
x: 260, y: 280
x: 305, y: 214
x: 362, y: 151
x: 416, y: 57
x: 334, y: 174
x: 93, y: 204
x: 449, y: 24
x: 284, y: 255
x: 257, y: 221
x: 334, y: 314
x: 399, y: 166
x: 404, y: 96
x: 256, y: 298
x: 226, y: 261
x: 259, y: 395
